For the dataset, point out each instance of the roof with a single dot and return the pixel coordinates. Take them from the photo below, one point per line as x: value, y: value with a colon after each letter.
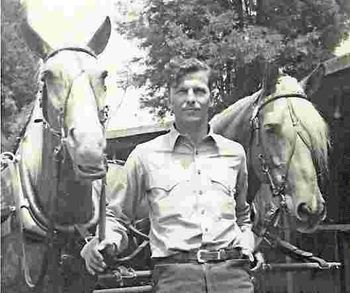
x: 143, y: 129
x: 336, y: 64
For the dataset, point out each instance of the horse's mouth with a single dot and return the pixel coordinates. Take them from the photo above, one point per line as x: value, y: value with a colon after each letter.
x: 309, y: 226
x: 90, y: 172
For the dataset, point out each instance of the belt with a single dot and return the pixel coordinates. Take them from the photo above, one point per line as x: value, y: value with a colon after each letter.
x: 201, y: 256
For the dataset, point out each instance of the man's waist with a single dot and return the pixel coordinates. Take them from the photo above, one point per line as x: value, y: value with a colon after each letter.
x: 203, y: 256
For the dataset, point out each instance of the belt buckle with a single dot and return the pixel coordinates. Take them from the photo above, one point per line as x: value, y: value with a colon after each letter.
x: 201, y: 260
x: 199, y: 256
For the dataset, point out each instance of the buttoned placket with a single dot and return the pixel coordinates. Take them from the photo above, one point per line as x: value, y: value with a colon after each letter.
x: 200, y: 182
x: 201, y: 210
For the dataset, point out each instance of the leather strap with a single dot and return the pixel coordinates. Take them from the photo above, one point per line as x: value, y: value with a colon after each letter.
x: 202, y: 256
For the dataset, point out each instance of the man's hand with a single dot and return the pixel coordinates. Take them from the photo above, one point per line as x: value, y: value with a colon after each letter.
x: 247, y: 255
x: 258, y: 261
x: 92, y: 254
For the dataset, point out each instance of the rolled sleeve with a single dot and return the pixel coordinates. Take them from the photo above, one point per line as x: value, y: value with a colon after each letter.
x: 125, y: 195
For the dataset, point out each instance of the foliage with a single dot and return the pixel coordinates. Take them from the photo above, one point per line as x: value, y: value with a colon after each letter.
x: 236, y: 38
x: 18, y: 81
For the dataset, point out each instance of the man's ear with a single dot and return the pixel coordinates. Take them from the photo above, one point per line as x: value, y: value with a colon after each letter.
x: 211, y: 101
x: 170, y: 99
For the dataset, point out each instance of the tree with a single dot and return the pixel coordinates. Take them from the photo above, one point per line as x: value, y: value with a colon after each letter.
x: 18, y: 78
x: 236, y: 38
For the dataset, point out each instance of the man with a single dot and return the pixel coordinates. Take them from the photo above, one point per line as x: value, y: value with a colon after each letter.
x: 195, y: 183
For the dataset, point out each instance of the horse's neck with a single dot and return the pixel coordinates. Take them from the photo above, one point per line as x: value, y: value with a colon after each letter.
x: 72, y: 197
x: 234, y: 122
x: 73, y: 202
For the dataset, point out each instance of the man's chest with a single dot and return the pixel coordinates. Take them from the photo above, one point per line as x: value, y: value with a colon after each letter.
x: 192, y: 185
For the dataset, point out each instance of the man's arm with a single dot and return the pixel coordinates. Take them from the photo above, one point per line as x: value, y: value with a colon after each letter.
x: 243, y: 208
x: 125, y: 194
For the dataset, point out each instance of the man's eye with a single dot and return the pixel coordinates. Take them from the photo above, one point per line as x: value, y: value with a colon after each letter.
x: 182, y: 91
x: 199, y: 91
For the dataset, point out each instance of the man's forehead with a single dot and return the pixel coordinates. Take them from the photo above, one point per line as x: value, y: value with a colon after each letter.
x: 195, y: 77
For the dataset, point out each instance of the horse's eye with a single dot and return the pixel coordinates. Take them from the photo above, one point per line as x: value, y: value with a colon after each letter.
x: 273, y: 130
x: 104, y: 74
x: 269, y: 128
x: 47, y: 74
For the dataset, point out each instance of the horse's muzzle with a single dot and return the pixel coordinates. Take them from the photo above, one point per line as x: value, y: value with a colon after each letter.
x: 307, y: 221
x: 91, y: 172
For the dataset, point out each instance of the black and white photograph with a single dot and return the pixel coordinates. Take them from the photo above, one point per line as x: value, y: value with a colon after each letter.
x: 169, y: 146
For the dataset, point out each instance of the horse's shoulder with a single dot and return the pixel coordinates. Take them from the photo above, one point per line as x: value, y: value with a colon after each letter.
x: 152, y: 145
x: 229, y: 145
x: 30, y: 148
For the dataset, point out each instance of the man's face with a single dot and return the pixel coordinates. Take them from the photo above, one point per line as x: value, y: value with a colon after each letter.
x: 190, y: 99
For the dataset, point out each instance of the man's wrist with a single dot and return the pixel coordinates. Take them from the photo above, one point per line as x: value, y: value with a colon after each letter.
x: 247, y: 253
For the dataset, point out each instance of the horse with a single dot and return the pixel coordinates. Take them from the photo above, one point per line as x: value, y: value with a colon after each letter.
x: 286, y: 140
x: 60, y: 155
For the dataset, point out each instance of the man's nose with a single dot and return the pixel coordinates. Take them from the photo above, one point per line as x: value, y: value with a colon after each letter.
x: 191, y: 98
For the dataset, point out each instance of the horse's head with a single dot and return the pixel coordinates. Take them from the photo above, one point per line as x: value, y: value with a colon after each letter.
x: 288, y: 151
x: 73, y: 98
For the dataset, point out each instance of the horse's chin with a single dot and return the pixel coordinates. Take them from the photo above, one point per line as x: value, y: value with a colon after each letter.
x: 307, y: 227
x: 90, y: 173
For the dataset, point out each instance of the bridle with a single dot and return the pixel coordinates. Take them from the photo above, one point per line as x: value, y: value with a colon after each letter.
x: 278, y: 189
x: 61, y: 133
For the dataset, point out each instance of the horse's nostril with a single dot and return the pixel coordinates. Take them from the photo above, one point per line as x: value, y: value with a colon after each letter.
x: 303, y: 212
x: 323, y: 212
x: 71, y: 133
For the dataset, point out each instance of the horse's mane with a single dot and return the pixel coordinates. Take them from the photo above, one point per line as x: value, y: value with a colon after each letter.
x: 229, y: 122
x: 317, y: 129
x: 311, y: 121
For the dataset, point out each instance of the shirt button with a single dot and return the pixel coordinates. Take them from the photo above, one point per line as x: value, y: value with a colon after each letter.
x: 196, y: 152
x: 203, y: 212
x: 206, y: 230
x: 200, y: 192
x: 199, y: 172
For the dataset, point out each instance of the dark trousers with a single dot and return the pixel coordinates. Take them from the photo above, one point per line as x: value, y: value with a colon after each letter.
x: 221, y: 277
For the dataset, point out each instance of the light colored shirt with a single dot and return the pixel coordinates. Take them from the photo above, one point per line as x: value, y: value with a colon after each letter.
x: 196, y: 196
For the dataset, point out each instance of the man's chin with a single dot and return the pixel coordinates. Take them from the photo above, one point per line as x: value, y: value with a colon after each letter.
x: 192, y: 119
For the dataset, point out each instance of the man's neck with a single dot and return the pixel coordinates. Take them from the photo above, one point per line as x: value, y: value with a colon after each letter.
x: 196, y: 132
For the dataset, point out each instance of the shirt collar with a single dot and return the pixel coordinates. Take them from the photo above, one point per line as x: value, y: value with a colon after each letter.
x: 174, y: 135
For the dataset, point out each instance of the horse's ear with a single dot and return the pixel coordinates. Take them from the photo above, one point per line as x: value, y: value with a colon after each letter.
x: 313, y: 81
x: 34, y: 40
x: 100, y: 39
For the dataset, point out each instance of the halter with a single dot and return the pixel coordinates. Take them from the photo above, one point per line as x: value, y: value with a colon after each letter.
x: 278, y: 189
x: 61, y: 133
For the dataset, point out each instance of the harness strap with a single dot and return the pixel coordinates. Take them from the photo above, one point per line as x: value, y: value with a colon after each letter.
x: 134, y: 253
x: 77, y: 49
x: 294, y: 251
x: 102, y: 222
x: 12, y: 165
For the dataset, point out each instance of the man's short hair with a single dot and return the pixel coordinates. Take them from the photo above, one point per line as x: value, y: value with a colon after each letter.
x: 178, y: 67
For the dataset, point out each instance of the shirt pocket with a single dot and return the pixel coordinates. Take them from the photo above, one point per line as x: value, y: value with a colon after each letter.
x: 224, y: 191
x: 168, y: 196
